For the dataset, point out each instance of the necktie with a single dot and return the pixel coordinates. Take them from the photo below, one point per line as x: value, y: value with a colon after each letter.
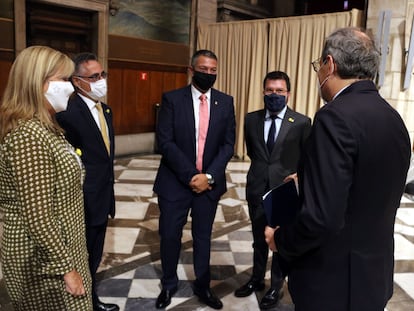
x: 202, y: 130
x: 272, y: 132
x: 102, y: 123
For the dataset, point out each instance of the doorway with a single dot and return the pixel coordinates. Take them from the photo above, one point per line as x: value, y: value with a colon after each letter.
x: 65, y: 29
x: 70, y: 26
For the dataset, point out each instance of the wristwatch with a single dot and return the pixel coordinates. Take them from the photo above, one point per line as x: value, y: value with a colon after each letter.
x: 210, y: 179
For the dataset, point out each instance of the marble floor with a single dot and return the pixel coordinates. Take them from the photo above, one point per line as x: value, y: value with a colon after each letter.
x: 130, y: 270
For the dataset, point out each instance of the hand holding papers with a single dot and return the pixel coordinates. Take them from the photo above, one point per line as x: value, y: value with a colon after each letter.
x: 281, y: 204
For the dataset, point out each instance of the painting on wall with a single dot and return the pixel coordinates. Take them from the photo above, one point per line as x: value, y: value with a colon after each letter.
x: 152, y: 19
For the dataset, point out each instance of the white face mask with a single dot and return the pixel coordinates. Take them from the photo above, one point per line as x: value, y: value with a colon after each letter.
x: 58, y: 94
x: 98, y: 89
x: 320, y: 86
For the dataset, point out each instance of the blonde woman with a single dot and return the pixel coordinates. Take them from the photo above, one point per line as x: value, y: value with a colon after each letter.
x: 44, y: 253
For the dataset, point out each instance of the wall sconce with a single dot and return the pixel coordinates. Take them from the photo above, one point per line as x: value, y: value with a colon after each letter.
x: 114, y: 7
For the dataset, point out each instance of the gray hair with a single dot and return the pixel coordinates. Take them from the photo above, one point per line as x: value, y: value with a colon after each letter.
x: 206, y: 53
x: 354, y: 53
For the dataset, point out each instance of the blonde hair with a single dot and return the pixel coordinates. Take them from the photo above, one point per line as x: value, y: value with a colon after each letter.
x: 24, y: 97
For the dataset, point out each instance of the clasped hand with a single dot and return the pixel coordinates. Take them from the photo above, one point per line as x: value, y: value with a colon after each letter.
x: 199, y: 183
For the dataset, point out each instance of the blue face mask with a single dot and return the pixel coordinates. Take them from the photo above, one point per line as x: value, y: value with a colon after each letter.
x: 274, y: 102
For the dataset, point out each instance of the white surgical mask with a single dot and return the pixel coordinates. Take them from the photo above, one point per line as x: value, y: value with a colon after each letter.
x: 58, y: 94
x: 320, y: 86
x: 98, y: 89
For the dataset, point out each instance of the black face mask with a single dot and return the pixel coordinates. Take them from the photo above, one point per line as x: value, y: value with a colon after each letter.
x: 274, y: 102
x: 203, y: 81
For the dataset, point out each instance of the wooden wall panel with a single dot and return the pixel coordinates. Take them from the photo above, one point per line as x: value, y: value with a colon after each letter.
x: 169, y: 81
x: 143, y: 106
x: 134, y: 90
x: 114, y: 96
x: 181, y: 80
x: 130, y: 99
x: 6, y: 61
x: 129, y: 49
x: 7, y: 35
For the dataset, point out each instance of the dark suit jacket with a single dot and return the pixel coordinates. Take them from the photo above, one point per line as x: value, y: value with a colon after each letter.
x: 83, y: 133
x: 176, y: 143
x: 341, y: 245
x: 268, y: 170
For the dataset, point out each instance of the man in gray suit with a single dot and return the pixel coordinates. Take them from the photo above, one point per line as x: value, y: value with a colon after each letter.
x: 274, y: 138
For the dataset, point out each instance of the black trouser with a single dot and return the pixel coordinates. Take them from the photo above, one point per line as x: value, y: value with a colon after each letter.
x: 173, y: 217
x: 261, y: 250
x: 95, y: 238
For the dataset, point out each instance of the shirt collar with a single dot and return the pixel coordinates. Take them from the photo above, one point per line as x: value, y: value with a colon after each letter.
x: 196, y: 93
x: 344, y: 88
x: 91, y: 104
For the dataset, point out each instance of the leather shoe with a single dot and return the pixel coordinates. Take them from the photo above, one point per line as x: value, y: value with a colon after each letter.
x: 248, y: 288
x: 100, y: 306
x: 208, y: 297
x: 164, y: 298
x: 271, y: 298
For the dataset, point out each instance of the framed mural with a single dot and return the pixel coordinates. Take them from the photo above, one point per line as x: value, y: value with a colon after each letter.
x: 152, y: 19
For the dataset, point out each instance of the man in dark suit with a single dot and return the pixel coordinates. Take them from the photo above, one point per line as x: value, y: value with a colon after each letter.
x: 274, y: 155
x: 341, y: 245
x: 88, y: 127
x: 195, y: 135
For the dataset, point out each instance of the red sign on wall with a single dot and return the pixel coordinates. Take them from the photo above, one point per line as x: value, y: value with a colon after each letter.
x: 143, y: 75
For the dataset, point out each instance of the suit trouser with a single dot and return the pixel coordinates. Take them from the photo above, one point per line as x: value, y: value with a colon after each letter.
x: 261, y: 250
x: 173, y: 217
x: 95, y: 238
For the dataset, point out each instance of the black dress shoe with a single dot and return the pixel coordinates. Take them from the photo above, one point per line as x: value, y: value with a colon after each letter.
x: 164, y: 298
x: 271, y: 298
x: 100, y: 306
x: 249, y: 288
x: 209, y: 298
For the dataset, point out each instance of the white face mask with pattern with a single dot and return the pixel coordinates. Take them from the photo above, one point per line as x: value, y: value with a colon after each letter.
x: 58, y: 93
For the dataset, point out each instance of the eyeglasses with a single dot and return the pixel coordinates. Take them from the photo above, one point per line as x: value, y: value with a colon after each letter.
x: 316, y: 64
x: 277, y: 91
x: 95, y: 77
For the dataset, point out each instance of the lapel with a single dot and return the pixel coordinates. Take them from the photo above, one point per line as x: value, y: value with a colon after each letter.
x: 108, y: 118
x: 287, y: 123
x: 259, y: 129
x: 107, y: 114
x: 188, y: 114
x: 214, y: 108
x: 214, y: 115
x: 90, y: 122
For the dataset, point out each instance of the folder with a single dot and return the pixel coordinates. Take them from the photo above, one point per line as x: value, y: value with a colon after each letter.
x: 281, y: 204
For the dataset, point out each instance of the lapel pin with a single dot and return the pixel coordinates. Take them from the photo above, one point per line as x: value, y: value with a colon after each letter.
x: 291, y: 120
x: 216, y: 103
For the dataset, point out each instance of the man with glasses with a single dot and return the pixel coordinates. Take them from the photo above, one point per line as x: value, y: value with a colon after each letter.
x: 341, y: 245
x: 88, y: 127
x: 274, y: 137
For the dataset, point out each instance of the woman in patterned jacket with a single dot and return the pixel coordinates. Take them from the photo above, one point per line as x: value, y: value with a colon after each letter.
x: 43, y: 251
